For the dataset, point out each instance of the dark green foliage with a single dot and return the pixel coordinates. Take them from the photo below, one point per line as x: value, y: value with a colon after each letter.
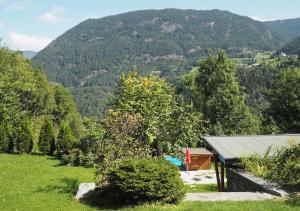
x: 294, y: 199
x: 285, y: 101
x: 292, y: 48
x: 66, y: 109
x: 147, y: 180
x: 23, y: 136
x: 217, y: 94
x: 65, y: 140
x: 257, y: 80
x: 77, y: 158
x: 91, y: 56
x: 6, y: 138
x: 287, y: 165
x: 286, y: 30
x: 47, y: 139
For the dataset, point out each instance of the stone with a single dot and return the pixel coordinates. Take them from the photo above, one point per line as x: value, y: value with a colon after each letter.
x: 84, y: 188
x: 228, y: 196
x: 240, y: 180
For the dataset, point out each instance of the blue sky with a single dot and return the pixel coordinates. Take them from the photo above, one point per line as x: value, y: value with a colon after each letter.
x: 32, y: 24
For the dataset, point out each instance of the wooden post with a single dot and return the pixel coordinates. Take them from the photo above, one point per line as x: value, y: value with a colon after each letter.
x: 217, y: 173
x: 222, y: 177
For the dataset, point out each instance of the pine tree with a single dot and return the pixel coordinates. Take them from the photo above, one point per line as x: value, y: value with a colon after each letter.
x: 65, y: 139
x: 46, y: 139
x: 220, y: 99
x: 24, y: 137
x: 5, y: 135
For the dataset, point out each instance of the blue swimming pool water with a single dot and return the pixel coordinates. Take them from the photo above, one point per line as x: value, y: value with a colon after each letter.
x: 177, y: 162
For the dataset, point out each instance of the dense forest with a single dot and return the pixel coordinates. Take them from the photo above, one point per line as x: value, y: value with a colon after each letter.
x: 292, y: 48
x: 31, y: 106
x: 90, y: 57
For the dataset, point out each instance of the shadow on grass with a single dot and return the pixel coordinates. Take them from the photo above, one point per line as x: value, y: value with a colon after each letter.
x: 67, y: 185
x: 104, y: 198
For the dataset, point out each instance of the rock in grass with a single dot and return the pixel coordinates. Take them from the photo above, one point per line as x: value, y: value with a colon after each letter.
x: 84, y: 188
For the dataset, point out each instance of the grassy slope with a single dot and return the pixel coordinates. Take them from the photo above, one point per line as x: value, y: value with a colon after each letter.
x: 38, y: 183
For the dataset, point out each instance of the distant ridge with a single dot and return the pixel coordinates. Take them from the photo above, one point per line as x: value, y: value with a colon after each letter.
x: 89, y: 57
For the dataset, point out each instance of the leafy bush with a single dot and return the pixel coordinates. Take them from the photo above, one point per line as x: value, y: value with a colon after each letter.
x: 283, y: 166
x: 287, y: 166
x: 147, y: 180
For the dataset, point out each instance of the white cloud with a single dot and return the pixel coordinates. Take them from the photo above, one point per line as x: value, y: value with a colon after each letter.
x: 27, y: 42
x: 259, y: 18
x: 52, y: 16
x: 16, y: 6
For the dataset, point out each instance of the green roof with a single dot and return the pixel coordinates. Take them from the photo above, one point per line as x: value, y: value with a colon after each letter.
x: 231, y: 148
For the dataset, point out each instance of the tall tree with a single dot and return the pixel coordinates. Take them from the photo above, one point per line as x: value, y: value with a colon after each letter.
x: 164, y: 126
x: 66, y: 109
x: 285, y: 101
x: 219, y: 97
x: 47, y: 139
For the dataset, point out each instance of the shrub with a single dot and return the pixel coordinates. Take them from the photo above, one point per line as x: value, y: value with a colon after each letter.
x: 77, y: 158
x: 46, y: 139
x: 294, y: 199
x: 147, y: 180
x: 73, y: 158
x: 5, y: 136
x: 287, y: 166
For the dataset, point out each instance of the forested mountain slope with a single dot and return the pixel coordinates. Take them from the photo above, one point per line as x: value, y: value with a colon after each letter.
x: 287, y: 29
x: 90, y: 57
x: 292, y: 48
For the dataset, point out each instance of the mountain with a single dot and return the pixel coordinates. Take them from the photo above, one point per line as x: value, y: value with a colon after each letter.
x: 287, y: 29
x: 29, y: 54
x: 90, y: 57
x: 292, y: 48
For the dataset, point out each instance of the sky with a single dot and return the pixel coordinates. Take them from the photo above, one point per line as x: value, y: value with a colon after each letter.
x: 33, y: 24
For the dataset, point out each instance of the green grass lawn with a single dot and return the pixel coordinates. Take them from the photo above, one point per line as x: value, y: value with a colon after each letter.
x: 32, y: 182
x: 199, y: 188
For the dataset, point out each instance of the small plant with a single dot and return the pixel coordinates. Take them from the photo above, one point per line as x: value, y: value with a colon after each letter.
x: 147, y: 180
x: 282, y: 166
